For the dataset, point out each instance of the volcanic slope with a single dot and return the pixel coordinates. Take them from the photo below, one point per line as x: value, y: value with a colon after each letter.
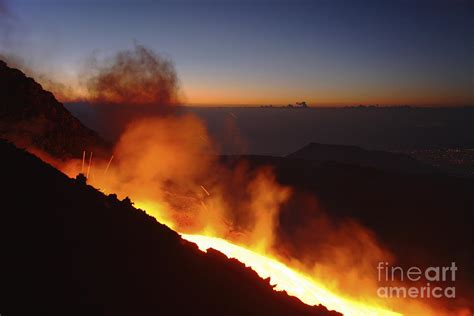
x: 32, y: 117
x: 68, y: 249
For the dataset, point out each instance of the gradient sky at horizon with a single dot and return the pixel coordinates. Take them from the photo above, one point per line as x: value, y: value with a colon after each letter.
x: 266, y: 52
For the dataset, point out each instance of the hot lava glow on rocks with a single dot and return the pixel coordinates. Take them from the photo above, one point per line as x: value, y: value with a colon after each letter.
x: 167, y: 164
x: 287, y: 279
x: 168, y: 167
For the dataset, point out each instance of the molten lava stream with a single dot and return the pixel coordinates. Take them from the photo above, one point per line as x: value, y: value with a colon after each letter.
x: 284, y: 278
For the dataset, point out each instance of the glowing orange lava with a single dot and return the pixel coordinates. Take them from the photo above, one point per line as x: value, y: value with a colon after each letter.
x: 286, y: 279
x: 167, y: 166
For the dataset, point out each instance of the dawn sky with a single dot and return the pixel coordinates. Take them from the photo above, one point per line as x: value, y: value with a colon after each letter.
x: 266, y: 52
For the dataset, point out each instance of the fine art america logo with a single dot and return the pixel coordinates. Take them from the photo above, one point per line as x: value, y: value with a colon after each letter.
x: 426, y: 277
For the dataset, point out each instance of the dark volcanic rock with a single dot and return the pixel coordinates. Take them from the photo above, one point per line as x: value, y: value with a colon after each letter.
x: 68, y: 249
x: 32, y: 117
x: 423, y: 219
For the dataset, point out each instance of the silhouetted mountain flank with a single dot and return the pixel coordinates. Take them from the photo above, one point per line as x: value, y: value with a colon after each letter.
x: 354, y: 155
x: 67, y: 249
x: 424, y: 219
x: 32, y: 117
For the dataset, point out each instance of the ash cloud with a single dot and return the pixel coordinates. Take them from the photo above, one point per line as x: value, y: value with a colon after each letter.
x: 109, y: 93
x: 138, y: 77
x: 130, y: 85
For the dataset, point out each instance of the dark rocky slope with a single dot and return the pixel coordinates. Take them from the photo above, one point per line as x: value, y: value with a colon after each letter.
x: 32, y: 117
x: 68, y: 249
x: 424, y: 219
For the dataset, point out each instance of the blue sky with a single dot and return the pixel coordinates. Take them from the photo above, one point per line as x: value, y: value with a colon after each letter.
x: 259, y: 52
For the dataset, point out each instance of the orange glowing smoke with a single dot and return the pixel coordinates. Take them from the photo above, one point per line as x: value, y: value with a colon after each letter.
x: 167, y: 166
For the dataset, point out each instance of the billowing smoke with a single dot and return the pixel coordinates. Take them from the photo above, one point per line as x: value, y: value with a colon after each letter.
x: 132, y: 84
x: 138, y: 77
x: 168, y: 165
x: 340, y: 251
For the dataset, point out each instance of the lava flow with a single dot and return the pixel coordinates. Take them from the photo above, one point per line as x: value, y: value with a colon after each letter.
x: 286, y: 279
x: 168, y: 168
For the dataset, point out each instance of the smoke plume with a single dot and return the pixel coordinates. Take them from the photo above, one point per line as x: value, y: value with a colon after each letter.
x: 130, y: 85
x: 168, y: 165
x: 137, y: 77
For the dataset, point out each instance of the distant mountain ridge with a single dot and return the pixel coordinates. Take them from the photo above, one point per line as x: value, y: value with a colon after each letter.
x: 32, y: 117
x: 354, y: 155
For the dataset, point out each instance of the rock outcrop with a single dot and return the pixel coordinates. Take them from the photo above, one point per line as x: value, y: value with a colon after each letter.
x: 31, y: 117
